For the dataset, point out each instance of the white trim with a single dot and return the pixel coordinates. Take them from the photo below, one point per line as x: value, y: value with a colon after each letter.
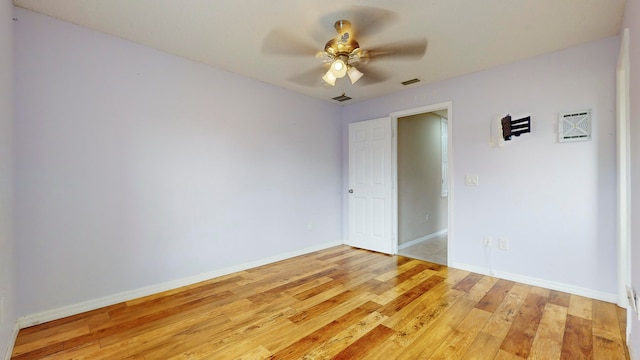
x: 571, y: 289
x: 444, y: 158
x: 78, y: 308
x: 623, y: 154
x: 448, y: 105
x: 12, y: 342
x: 424, y: 238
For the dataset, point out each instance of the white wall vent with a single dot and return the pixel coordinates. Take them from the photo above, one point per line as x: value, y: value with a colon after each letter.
x: 575, y: 126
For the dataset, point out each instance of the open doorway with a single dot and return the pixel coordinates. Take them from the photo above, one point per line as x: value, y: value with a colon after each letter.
x: 422, y: 191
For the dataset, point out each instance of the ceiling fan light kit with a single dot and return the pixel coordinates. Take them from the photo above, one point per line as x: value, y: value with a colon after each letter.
x: 338, y: 69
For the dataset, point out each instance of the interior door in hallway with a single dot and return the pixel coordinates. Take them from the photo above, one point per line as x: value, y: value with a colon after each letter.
x: 370, y: 187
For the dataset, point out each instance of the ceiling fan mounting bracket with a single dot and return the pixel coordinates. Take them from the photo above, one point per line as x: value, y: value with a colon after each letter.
x: 343, y: 44
x: 342, y: 26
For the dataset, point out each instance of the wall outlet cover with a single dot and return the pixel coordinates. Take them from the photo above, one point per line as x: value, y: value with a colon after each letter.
x: 486, y: 241
x: 503, y: 242
x: 471, y: 180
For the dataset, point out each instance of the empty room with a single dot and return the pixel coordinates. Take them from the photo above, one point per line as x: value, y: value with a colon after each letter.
x: 319, y: 180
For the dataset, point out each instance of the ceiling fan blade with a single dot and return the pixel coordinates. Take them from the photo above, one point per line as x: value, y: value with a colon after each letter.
x: 412, y: 49
x: 310, y: 78
x: 371, y: 76
x: 281, y: 42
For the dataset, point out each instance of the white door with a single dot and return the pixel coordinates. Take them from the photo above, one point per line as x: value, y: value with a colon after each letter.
x: 370, y: 187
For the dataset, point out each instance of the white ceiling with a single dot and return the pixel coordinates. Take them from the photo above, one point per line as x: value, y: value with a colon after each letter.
x: 464, y: 36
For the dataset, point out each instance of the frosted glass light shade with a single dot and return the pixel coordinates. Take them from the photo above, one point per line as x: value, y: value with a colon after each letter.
x: 329, y: 78
x: 354, y: 74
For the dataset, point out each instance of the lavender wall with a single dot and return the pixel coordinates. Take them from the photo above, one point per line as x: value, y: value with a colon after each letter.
x: 7, y: 280
x: 631, y: 19
x: 555, y: 202
x: 135, y: 167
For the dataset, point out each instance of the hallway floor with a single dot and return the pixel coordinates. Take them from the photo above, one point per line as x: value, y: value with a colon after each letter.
x: 433, y: 250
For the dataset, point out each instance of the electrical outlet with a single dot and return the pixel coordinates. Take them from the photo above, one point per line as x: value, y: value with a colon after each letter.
x: 633, y: 300
x: 503, y: 243
x: 471, y: 180
x: 426, y: 218
x: 486, y: 241
x: 311, y: 226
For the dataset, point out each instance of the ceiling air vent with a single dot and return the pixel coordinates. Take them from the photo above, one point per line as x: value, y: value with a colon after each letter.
x: 575, y: 126
x: 341, y: 98
x: 409, y: 82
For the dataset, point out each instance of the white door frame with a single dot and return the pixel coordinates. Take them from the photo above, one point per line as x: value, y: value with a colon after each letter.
x: 394, y: 170
x: 623, y: 154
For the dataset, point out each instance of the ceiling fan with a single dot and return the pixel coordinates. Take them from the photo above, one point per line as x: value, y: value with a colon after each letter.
x: 342, y: 55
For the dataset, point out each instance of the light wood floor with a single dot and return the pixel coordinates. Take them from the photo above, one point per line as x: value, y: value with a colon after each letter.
x: 340, y: 303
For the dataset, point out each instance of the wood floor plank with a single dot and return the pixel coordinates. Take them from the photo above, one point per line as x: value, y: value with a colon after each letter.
x: 232, y: 342
x: 184, y: 336
x: 345, y: 338
x: 361, y: 348
x: 85, y: 317
x: 484, y: 347
x: 296, y: 349
x: 78, y: 352
x: 578, y: 338
x: 409, y: 329
x: 257, y: 353
x: 401, y: 288
x: 580, y: 306
x: 282, y: 339
x: 452, y: 276
x: 545, y: 293
x: 607, y: 338
x: 494, y: 297
x: 500, y: 322
x: 622, y: 322
x: 410, y: 295
x: 604, y: 348
x: 480, y: 289
x: 459, y: 341
x: 547, y: 344
x: 468, y: 282
x: 321, y: 308
x: 504, y: 355
x: 51, y: 338
x: 605, y: 320
x: 430, y: 304
x: 428, y: 340
x: 559, y: 298
x: 520, y: 337
x: 342, y: 303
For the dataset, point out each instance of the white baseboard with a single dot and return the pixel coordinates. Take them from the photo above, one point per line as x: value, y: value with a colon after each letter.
x: 571, y: 289
x: 78, y: 308
x: 424, y: 238
x: 12, y: 342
